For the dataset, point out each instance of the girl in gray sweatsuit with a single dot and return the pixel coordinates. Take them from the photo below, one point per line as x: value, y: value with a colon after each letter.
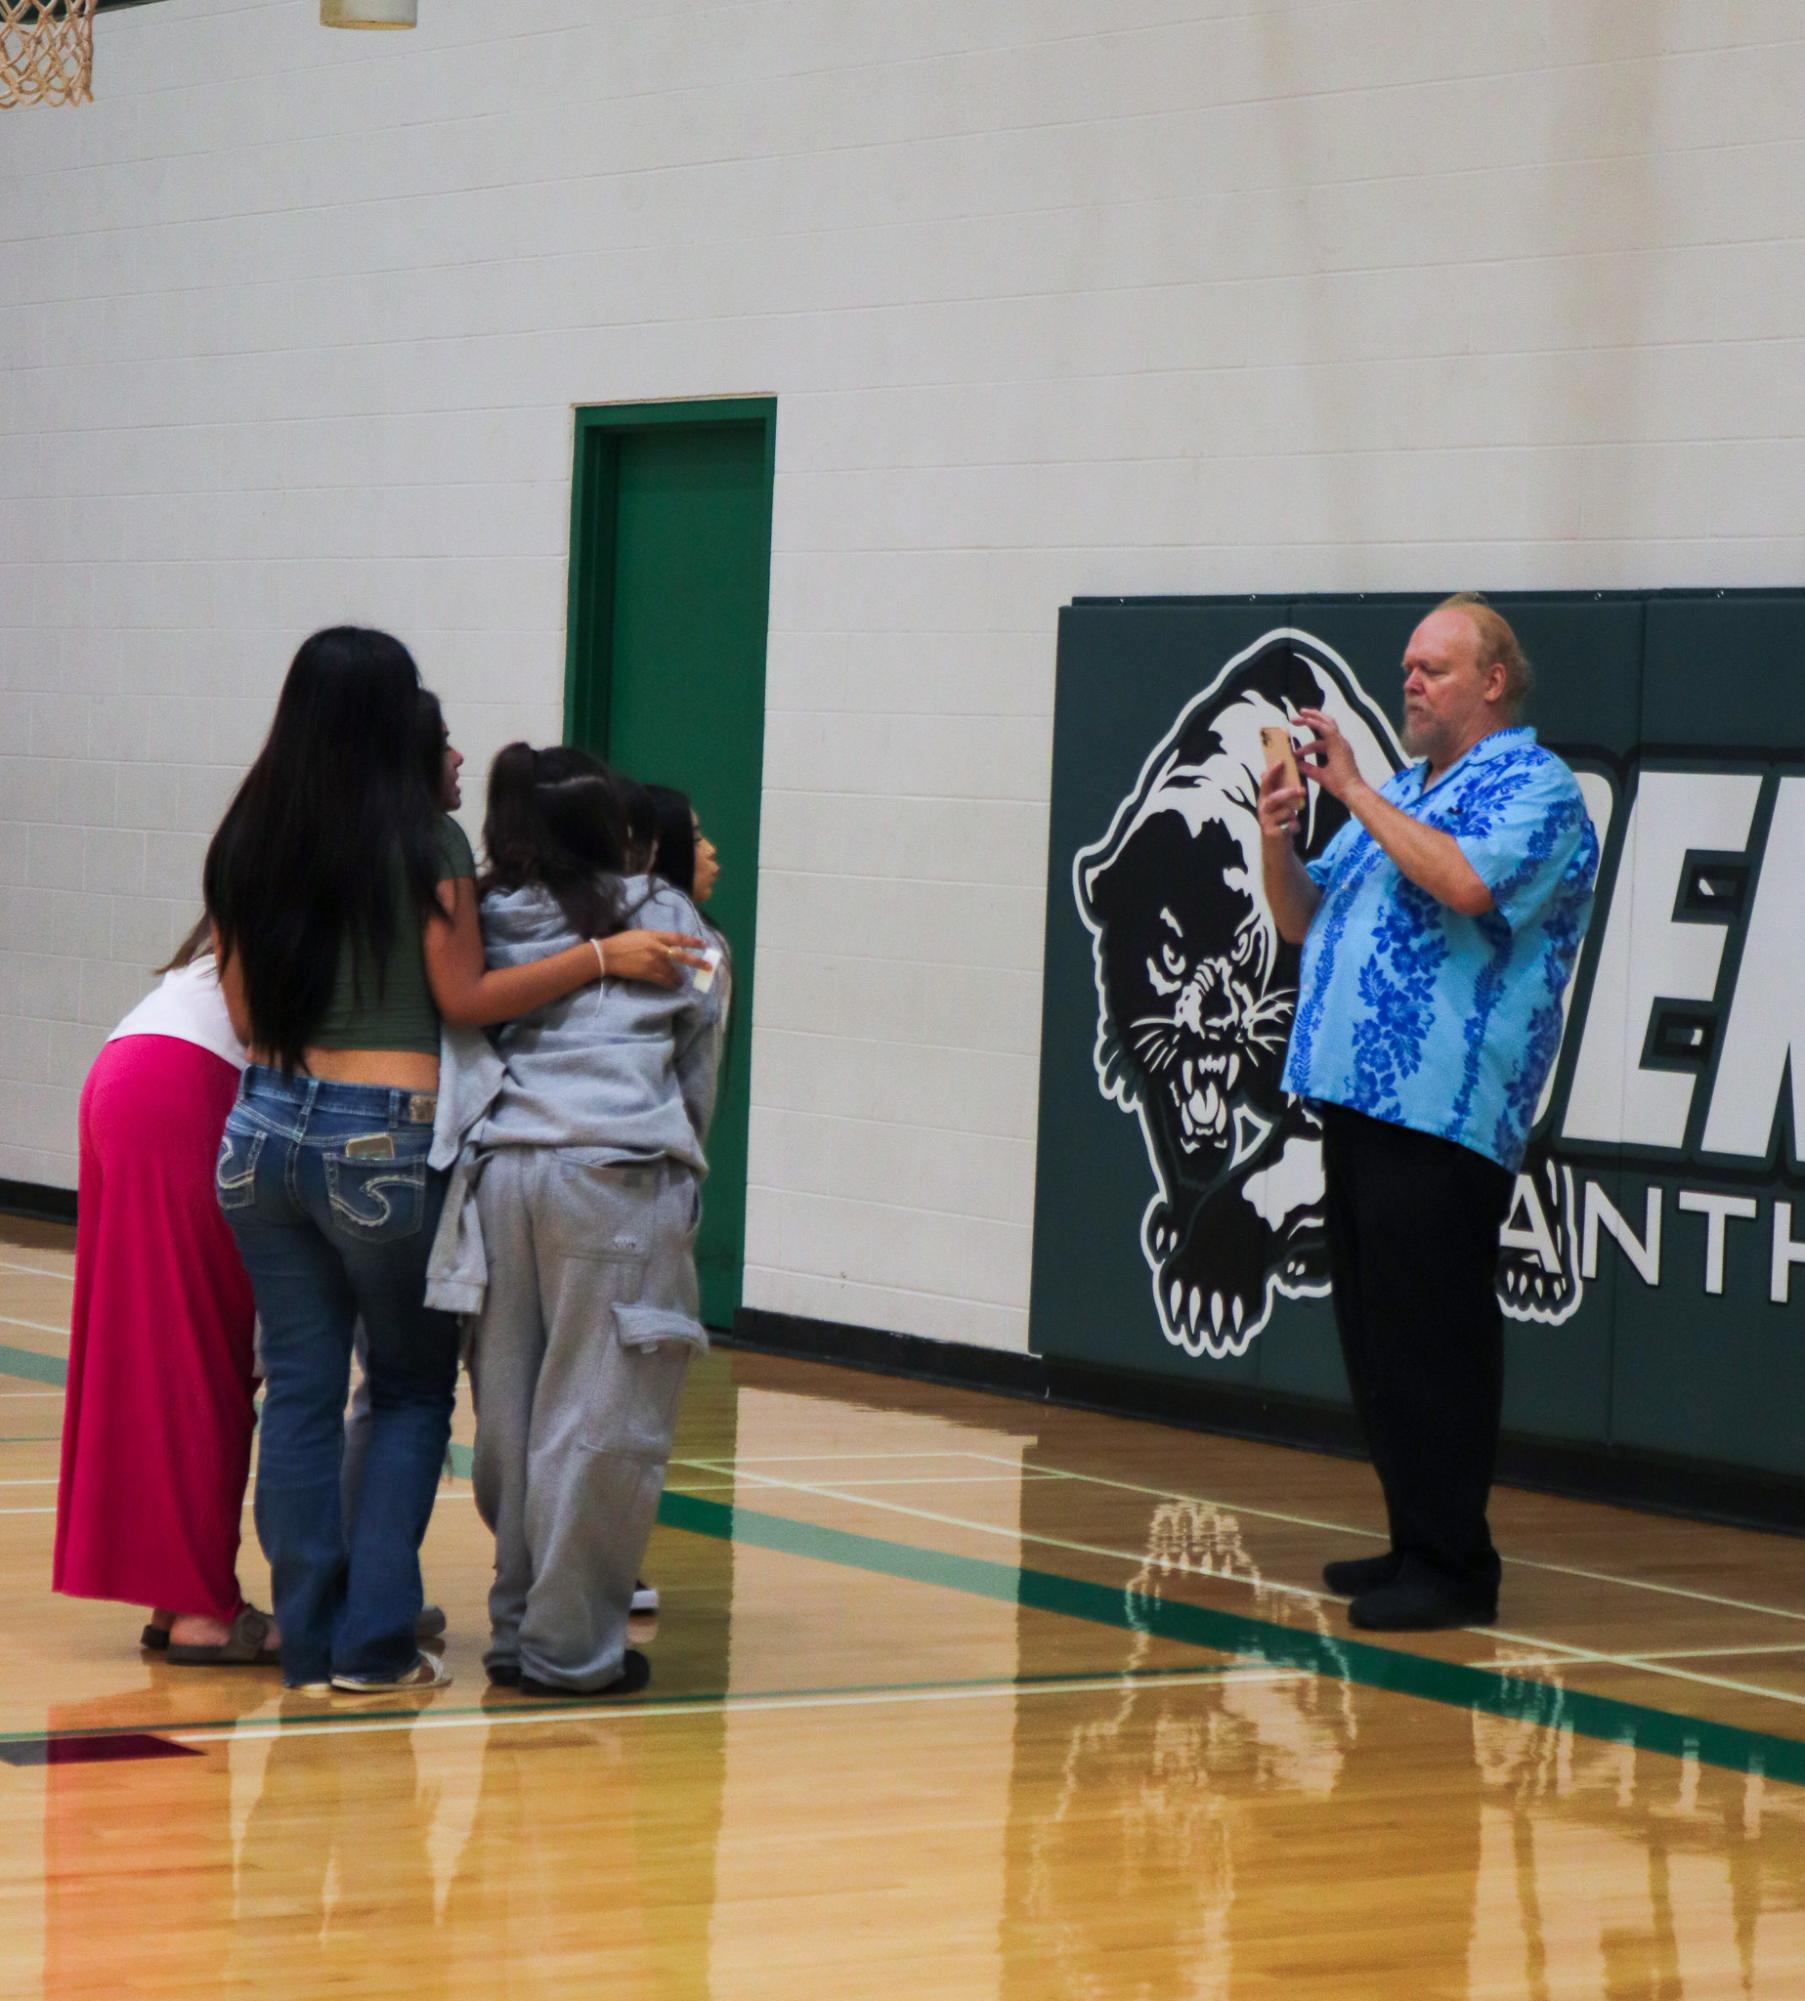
x: 586, y: 1168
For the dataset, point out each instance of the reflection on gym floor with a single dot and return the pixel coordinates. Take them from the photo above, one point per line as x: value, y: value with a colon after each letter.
x: 938, y: 1707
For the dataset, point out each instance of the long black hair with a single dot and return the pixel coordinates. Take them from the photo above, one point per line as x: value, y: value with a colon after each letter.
x: 554, y: 819
x: 674, y: 858
x: 641, y: 820
x: 329, y: 838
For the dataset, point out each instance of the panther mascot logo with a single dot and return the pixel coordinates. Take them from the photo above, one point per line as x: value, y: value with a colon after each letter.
x: 1195, y: 993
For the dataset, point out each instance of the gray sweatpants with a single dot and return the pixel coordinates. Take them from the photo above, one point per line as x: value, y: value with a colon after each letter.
x: 577, y: 1364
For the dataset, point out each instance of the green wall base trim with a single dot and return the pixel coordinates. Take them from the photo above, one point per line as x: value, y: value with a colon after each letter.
x: 1694, y: 1490
x: 38, y: 1200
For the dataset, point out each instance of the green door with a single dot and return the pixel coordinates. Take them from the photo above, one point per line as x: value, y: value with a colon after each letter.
x: 670, y: 585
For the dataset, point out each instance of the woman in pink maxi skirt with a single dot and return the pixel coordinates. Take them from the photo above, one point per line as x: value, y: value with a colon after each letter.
x: 159, y: 1413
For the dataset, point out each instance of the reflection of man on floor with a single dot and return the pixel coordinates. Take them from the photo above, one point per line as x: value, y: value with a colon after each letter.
x: 1439, y: 929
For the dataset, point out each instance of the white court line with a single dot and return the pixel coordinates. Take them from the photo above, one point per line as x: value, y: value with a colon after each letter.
x: 1669, y: 1673
x: 824, y: 1458
x: 44, y: 1327
x: 36, y: 1271
x: 578, y: 1712
x: 1708, y: 1653
x: 1043, y: 1470
x: 1656, y: 1664
x: 27, y: 1511
x: 1501, y: 1665
x: 28, y: 1396
x: 46, y: 1480
x: 1139, y: 1557
x: 1655, y: 1654
x: 932, y: 1480
x: 1660, y: 1664
x: 1373, y: 1535
x: 1564, y: 1654
x: 1020, y: 1475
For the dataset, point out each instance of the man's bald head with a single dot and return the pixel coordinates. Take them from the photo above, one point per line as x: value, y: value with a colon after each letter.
x: 1495, y: 642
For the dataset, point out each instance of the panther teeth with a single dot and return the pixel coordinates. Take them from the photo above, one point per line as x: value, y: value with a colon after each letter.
x: 1204, y: 1111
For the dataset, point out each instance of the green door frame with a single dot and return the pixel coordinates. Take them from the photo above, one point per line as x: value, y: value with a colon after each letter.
x: 589, y: 641
x: 589, y: 616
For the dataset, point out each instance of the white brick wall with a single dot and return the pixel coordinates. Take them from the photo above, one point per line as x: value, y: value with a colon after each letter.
x: 1058, y: 296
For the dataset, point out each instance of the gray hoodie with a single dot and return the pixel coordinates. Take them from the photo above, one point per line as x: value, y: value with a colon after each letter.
x: 620, y: 1068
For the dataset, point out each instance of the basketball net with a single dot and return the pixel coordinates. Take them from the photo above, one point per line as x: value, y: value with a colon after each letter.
x: 46, y: 52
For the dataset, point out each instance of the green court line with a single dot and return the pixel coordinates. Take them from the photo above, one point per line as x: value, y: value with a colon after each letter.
x: 1517, y: 1698
x: 31, y: 1367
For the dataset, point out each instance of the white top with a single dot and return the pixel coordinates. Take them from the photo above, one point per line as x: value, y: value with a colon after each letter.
x: 187, y: 1005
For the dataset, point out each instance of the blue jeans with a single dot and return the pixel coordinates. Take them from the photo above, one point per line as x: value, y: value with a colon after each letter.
x: 328, y: 1193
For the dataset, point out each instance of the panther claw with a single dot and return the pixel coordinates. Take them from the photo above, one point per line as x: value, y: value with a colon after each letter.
x: 1213, y: 1321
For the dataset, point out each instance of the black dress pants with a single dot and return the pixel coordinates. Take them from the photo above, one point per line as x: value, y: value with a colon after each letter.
x: 1413, y: 1225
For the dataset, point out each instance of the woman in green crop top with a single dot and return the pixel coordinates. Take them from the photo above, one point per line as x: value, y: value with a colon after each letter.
x: 342, y: 899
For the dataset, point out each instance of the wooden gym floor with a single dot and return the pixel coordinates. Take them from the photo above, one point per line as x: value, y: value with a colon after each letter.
x: 952, y: 1696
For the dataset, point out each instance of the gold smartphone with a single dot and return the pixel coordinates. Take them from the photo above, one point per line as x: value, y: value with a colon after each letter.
x: 371, y: 1146
x: 1276, y: 743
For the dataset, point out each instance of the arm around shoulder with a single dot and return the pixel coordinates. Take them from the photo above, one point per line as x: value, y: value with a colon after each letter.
x: 468, y: 993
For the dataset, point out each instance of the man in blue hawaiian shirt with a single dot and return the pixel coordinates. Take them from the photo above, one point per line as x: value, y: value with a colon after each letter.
x: 1439, y: 929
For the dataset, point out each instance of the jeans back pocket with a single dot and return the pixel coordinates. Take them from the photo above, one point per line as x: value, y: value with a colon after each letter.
x: 377, y: 1201
x: 235, y: 1171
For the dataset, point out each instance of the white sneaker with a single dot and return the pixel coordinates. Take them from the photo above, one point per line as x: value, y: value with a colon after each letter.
x: 645, y: 1597
x: 428, y: 1671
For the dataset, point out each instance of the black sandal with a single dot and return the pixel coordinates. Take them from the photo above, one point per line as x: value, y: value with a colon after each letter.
x: 243, y: 1646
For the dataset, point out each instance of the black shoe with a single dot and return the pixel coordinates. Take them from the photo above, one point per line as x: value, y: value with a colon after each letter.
x: 504, y: 1674
x: 1355, y: 1574
x: 1413, y: 1606
x: 635, y: 1672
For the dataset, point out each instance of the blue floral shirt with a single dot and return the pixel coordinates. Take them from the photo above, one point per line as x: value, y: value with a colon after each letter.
x: 1414, y: 1014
